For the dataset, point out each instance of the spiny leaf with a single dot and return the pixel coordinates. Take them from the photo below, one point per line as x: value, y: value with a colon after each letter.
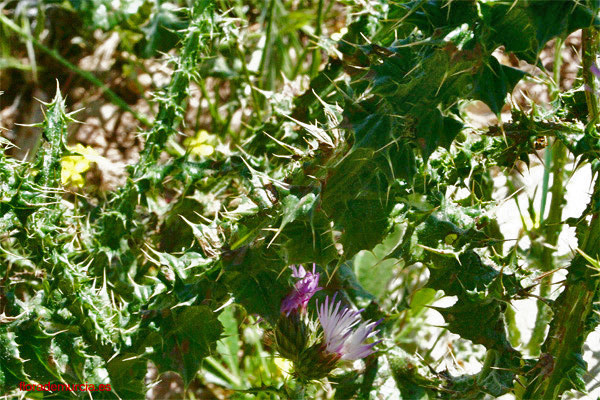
x: 188, y: 335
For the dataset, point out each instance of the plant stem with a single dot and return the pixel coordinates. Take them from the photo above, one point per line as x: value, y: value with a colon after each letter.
x: 551, y: 229
x: 223, y: 373
x: 316, y: 60
x: 267, y: 84
x: 514, y: 334
x: 589, y: 49
x: 545, y: 181
x: 561, y: 361
x: 555, y: 158
x: 548, y: 153
x: 557, y: 65
x: 212, y: 108
x: 255, y: 98
x: 171, y: 110
x: 112, y: 96
x: 570, y: 326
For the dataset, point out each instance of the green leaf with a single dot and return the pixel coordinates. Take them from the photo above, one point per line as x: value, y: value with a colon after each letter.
x: 354, y: 198
x: 253, y: 283
x: 54, y: 131
x: 498, y: 372
x: 11, y: 364
x: 480, y: 322
x: 184, y: 265
x: 494, y: 81
x: 373, y: 274
x: 189, y: 335
x: 435, y: 130
x: 160, y: 33
x: 422, y: 298
x: 435, y: 14
x: 524, y: 28
x: 229, y: 345
x: 103, y: 13
x: 34, y: 346
x: 374, y: 269
x: 127, y: 372
x: 359, y: 296
x: 308, y: 242
x: 410, y: 376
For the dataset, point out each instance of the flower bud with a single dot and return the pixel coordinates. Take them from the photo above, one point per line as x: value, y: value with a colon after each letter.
x: 315, y: 363
x: 290, y: 336
x: 304, y: 289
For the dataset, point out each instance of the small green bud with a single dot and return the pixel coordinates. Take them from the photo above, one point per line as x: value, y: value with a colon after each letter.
x: 290, y: 336
x: 315, y: 363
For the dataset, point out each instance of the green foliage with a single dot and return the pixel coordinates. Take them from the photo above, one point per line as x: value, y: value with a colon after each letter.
x: 356, y: 175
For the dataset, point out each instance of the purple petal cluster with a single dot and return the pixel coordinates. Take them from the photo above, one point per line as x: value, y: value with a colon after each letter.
x: 340, y: 336
x: 304, y: 289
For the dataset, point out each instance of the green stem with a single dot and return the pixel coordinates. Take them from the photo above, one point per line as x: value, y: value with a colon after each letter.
x: 223, y: 373
x: 267, y: 50
x: 552, y: 227
x: 299, y: 62
x: 557, y: 65
x: 30, y: 51
x: 212, y: 108
x: 589, y: 49
x: 255, y: 98
x: 548, y: 152
x: 545, y: 181
x: 551, y: 230
x: 514, y: 334
x: 171, y: 110
x: 561, y: 359
x: 112, y: 96
x: 570, y: 326
x: 316, y: 60
x: 488, y: 363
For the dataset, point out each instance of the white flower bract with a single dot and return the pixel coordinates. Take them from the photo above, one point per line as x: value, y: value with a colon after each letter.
x: 340, y: 337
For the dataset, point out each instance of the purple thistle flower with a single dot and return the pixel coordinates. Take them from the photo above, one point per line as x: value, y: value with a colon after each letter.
x: 340, y: 337
x: 304, y: 289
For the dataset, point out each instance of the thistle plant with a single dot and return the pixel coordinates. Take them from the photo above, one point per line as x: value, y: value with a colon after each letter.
x: 375, y: 174
x: 343, y: 333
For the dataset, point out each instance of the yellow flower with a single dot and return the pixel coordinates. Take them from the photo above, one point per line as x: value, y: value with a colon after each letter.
x: 73, y: 167
x: 199, y: 144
